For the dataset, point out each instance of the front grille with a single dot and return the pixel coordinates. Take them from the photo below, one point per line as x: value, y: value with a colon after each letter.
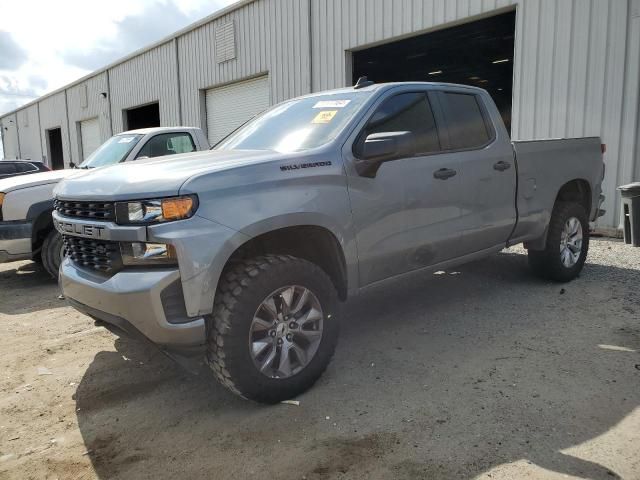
x: 98, y: 255
x: 91, y: 210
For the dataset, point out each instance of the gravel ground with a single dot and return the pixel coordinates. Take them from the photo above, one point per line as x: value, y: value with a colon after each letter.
x: 482, y: 372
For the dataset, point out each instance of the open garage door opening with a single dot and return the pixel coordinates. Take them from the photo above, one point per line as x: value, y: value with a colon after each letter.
x: 479, y: 53
x: 146, y: 116
x: 54, y: 148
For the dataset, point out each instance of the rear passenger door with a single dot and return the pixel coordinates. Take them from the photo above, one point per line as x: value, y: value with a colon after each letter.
x: 405, y: 216
x: 487, y: 172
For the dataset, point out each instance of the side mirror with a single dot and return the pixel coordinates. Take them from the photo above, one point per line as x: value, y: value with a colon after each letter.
x: 72, y: 165
x: 383, y: 147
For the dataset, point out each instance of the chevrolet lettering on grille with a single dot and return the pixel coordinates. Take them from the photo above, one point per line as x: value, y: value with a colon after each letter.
x: 80, y: 229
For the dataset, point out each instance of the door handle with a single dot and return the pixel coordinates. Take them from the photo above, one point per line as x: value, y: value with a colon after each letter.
x: 501, y: 166
x: 444, y: 173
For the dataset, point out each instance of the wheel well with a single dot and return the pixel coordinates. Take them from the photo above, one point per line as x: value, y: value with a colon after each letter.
x: 576, y: 191
x: 42, y: 225
x: 315, y: 244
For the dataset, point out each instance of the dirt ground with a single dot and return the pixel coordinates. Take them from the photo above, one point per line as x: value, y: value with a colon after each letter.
x: 482, y: 372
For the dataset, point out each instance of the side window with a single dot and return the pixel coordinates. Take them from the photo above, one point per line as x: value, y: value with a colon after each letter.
x: 25, y: 167
x: 167, y: 144
x: 467, y: 128
x: 182, y: 143
x: 407, y: 112
x: 7, y: 168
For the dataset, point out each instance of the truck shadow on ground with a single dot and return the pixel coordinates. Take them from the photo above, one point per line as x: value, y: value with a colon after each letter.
x: 29, y: 280
x: 436, y: 376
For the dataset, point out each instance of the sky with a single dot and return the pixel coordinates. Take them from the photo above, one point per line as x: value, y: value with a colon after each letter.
x: 45, y: 45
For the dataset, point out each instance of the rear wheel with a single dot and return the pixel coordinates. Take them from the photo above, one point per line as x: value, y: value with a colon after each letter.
x: 52, y: 252
x: 274, y: 327
x: 567, y: 244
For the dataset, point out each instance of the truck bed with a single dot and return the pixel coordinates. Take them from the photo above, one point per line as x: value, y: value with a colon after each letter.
x: 544, y: 166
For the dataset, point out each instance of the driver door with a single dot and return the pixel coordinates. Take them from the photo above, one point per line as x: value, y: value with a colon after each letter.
x: 407, y: 215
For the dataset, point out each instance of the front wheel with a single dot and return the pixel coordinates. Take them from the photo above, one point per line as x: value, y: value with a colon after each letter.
x: 567, y: 244
x: 274, y: 327
x: 52, y: 253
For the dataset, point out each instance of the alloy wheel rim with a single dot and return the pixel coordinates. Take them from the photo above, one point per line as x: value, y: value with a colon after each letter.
x: 571, y: 242
x: 286, y: 331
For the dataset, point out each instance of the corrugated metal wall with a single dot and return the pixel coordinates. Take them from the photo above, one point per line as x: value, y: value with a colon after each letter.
x: 29, y: 133
x: 576, y: 66
x: 271, y: 37
x: 572, y: 69
x: 342, y: 25
x: 630, y: 153
x: 53, y: 114
x: 149, y: 77
x: 9, y: 125
x: 85, y: 101
x: 575, y: 62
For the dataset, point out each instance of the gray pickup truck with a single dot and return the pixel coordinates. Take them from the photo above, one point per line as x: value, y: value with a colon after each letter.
x: 242, y: 253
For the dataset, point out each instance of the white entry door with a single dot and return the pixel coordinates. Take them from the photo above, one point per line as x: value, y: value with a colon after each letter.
x: 90, y: 136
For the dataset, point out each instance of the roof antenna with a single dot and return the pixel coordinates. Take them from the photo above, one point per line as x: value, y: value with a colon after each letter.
x: 363, y: 82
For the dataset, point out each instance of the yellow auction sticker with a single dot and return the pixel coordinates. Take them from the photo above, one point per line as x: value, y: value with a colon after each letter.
x: 324, y: 116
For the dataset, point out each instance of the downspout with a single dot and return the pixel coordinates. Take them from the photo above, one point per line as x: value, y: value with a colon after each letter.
x: 66, y: 112
x: 109, y: 104
x: 310, y: 29
x: 42, y: 152
x: 175, y: 42
x: 18, y: 135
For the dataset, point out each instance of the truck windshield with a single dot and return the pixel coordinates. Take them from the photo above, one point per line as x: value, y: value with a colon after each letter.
x: 297, y: 125
x: 112, y: 151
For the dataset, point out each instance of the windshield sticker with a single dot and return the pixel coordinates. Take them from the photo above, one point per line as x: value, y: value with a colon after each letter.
x: 325, y: 116
x: 332, y: 104
x: 126, y: 139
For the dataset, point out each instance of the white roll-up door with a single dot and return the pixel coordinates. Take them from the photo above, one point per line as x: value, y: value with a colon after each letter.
x: 230, y: 106
x: 90, y: 133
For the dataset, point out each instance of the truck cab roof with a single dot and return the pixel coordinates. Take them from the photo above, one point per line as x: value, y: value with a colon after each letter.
x: 377, y: 87
x: 146, y: 131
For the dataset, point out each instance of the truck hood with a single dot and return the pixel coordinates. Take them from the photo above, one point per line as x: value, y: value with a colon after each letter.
x: 159, y: 177
x: 34, y: 179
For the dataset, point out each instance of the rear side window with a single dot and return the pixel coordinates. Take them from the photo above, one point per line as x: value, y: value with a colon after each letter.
x: 407, y: 112
x: 25, y: 167
x: 167, y: 144
x: 467, y: 128
x: 7, y: 168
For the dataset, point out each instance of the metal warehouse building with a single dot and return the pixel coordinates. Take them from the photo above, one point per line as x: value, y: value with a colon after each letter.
x: 556, y: 68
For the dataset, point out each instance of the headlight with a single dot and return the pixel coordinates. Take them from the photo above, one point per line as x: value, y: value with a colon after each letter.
x: 140, y: 253
x: 156, y: 210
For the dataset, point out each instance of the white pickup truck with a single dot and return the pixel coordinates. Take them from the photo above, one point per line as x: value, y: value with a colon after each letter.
x: 26, y: 201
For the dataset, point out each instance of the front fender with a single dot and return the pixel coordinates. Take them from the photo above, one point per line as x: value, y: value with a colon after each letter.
x: 203, y: 248
x: 344, y: 237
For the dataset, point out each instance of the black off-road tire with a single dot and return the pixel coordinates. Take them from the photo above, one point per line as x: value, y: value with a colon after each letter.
x: 547, y: 263
x: 51, y: 253
x: 241, y: 290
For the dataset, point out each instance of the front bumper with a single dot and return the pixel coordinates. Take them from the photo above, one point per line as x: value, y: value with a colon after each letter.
x: 131, y: 300
x: 15, y: 241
